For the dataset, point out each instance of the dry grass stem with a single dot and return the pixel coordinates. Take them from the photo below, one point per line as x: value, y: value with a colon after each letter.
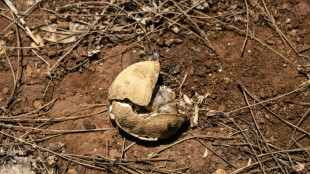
x: 274, y: 114
x: 230, y: 164
x: 247, y: 27
x: 268, y: 100
x: 298, y: 124
x: 22, y: 21
x: 260, y: 135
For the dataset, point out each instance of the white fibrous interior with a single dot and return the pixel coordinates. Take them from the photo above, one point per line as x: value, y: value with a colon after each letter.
x: 163, y: 102
x: 163, y: 96
x: 170, y: 107
x: 110, y: 108
x: 112, y: 116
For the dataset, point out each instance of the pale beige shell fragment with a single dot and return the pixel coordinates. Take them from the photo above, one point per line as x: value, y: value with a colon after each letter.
x: 152, y: 128
x: 134, y: 88
x: 136, y: 83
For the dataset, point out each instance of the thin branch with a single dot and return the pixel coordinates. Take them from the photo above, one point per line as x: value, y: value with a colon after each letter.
x: 229, y: 163
x: 260, y: 134
x: 247, y: 28
x: 22, y: 21
x: 290, y: 144
x: 274, y: 114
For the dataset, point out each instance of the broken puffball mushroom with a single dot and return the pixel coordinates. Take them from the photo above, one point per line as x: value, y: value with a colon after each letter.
x: 140, y: 107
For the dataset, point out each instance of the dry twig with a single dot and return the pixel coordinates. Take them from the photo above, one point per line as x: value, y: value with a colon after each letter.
x: 247, y: 28
x: 22, y: 21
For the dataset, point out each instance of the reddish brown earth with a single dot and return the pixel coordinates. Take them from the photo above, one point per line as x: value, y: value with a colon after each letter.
x: 81, y: 85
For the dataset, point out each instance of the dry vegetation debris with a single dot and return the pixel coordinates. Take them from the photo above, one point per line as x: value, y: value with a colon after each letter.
x: 63, y: 38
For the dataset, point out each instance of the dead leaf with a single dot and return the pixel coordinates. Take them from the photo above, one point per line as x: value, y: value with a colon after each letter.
x: 206, y: 153
x: 8, y: 34
x: 34, y: 45
x: 299, y: 167
x: 50, y: 32
x: 2, y: 47
x: 40, y: 40
x: 65, y: 39
x: 187, y: 100
x: 28, y: 71
x: 37, y: 104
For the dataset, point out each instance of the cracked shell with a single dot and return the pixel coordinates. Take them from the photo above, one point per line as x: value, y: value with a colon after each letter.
x: 136, y: 83
x: 156, y: 126
x: 133, y: 88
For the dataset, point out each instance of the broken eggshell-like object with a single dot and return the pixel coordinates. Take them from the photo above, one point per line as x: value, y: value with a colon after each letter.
x: 141, y: 108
